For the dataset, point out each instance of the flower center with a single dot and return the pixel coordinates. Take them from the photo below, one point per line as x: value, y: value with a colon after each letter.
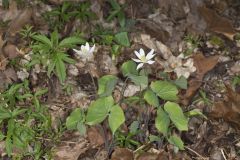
x: 143, y: 59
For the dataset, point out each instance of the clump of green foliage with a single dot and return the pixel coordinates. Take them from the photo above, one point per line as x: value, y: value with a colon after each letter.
x: 68, y: 11
x: 193, y: 42
x: 22, y: 120
x: 52, y: 53
x: 170, y: 115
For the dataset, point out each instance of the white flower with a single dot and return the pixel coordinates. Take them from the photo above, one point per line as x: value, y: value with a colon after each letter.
x: 186, y: 69
x: 86, y: 52
x: 142, y: 58
x: 23, y: 74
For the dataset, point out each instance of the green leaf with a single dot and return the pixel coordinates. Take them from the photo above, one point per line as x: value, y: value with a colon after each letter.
x: 175, y: 140
x: 68, y: 60
x: 99, y: 110
x: 51, y: 67
x: 4, y: 113
x: 74, y: 118
x: 162, y: 121
x: 195, y: 112
x: 181, y: 82
x: 121, y: 19
x: 1, y: 136
x: 151, y: 98
x: 81, y: 128
x: 40, y: 92
x: 134, y: 127
x: 17, y: 112
x: 176, y: 115
x: 61, y: 70
x: 8, y: 142
x: 116, y: 118
x: 122, y: 39
x: 129, y: 67
x: 54, y: 38
x: 71, y: 42
x: 139, y: 80
x: 165, y: 90
x: 43, y: 39
x: 106, y: 85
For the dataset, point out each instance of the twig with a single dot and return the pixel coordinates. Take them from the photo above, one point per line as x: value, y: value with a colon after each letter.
x: 223, y: 154
x: 203, y: 158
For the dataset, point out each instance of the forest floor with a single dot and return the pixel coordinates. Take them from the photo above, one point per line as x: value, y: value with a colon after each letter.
x: 75, y: 84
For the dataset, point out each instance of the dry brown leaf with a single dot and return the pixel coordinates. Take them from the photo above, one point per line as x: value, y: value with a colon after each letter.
x: 70, y: 150
x: 228, y: 109
x: 148, y: 156
x: 3, y: 62
x: 152, y: 43
x: 10, y: 51
x: 95, y: 137
x: 122, y: 154
x: 216, y: 23
x: 203, y: 65
x: 23, y: 18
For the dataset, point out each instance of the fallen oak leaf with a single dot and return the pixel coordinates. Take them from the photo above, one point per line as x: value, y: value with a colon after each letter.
x: 216, y: 23
x: 122, y: 154
x: 228, y: 109
x: 203, y: 65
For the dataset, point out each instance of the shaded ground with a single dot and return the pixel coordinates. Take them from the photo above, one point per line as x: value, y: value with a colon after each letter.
x: 207, y: 30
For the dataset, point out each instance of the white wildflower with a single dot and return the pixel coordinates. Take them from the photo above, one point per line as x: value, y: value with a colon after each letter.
x: 186, y: 69
x: 143, y: 59
x: 86, y: 52
x: 23, y: 74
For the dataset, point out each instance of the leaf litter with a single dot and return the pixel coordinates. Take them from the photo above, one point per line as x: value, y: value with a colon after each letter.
x: 164, y: 31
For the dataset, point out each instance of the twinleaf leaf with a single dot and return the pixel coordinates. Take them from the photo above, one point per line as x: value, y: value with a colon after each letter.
x: 122, y: 39
x: 75, y: 117
x: 99, y: 110
x: 129, y: 67
x: 175, y: 140
x: 106, y: 85
x: 176, y: 115
x: 162, y: 121
x: 151, y: 98
x: 181, y: 82
x: 165, y: 90
x: 116, y: 118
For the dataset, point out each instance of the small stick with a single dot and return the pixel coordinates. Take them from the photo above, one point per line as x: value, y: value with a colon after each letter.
x: 195, y: 153
x: 223, y: 154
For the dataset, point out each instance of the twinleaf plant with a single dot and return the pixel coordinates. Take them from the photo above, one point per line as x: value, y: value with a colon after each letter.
x: 52, y: 53
x: 160, y: 94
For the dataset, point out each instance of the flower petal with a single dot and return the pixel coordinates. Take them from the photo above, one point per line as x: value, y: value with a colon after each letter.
x: 136, y: 60
x: 150, y: 62
x: 137, y: 54
x: 92, y: 49
x: 140, y: 66
x: 87, y: 46
x: 142, y: 53
x: 150, y: 55
x: 75, y: 50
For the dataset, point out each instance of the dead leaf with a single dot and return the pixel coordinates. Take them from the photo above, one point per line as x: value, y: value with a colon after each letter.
x: 216, y: 23
x: 11, y: 75
x: 71, y: 150
x: 203, y: 65
x: 122, y: 154
x: 152, y: 43
x: 94, y: 136
x: 148, y: 156
x: 228, y: 109
x: 23, y: 18
x: 10, y: 51
x: 3, y: 62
